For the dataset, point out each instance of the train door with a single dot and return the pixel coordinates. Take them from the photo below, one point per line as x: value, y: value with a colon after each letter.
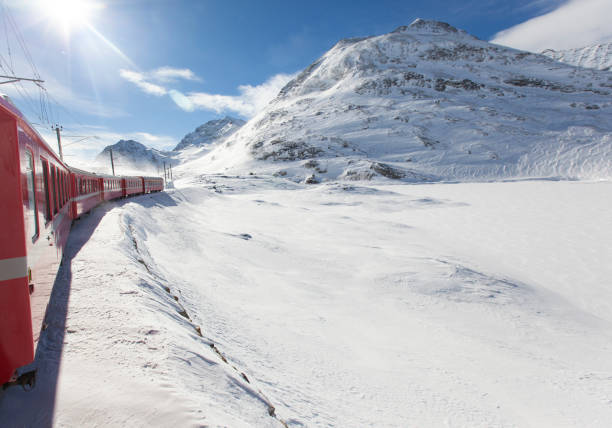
x: 45, y: 189
x: 30, y: 210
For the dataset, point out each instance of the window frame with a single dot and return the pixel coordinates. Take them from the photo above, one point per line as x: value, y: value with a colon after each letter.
x: 31, y: 180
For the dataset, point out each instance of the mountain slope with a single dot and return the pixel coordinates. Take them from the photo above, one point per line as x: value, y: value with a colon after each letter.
x: 130, y: 155
x: 428, y: 102
x: 596, y: 56
x: 210, y: 132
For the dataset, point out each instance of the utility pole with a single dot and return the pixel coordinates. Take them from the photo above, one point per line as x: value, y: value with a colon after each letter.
x: 171, y: 171
x: 112, y: 162
x: 165, y: 174
x: 59, y: 141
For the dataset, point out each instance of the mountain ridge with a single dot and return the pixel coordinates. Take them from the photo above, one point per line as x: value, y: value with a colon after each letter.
x: 598, y: 56
x: 428, y: 102
x: 210, y: 132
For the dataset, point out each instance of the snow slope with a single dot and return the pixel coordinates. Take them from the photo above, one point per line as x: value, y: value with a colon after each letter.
x: 132, y: 157
x: 461, y: 305
x: 428, y: 102
x: 596, y: 56
x: 210, y: 132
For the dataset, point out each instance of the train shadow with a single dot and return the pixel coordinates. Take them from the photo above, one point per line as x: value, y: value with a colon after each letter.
x: 37, y: 407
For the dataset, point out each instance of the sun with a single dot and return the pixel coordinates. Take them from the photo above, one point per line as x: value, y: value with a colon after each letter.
x: 69, y: 14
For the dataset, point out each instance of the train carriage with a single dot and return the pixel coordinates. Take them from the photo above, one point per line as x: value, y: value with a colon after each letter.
x: 39, y: 198
x: 112, y: 187
x: 34, y: 211
x: 133, y: 186
x: 87, y: 191
x: 153, y: 184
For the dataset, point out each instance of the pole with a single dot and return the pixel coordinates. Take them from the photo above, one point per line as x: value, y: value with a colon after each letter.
x: 59, y: 142
x: 112, y: 162
x: 165, y: 175
x: 170, y: 171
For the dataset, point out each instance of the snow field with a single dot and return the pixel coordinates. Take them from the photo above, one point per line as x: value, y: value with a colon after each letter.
x: 343, y: 304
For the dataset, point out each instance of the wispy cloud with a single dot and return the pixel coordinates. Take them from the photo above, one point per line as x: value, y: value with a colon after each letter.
x: 574, y: 24
x: 249, y: 101
x: 151, y: 81
x: 170, y: 74
x: 140, y: 80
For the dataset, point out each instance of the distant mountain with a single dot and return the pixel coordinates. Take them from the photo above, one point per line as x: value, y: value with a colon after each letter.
x: 596, y: 56
x: 130, y: 155
x: 428, y: 102
x: 210, y: 132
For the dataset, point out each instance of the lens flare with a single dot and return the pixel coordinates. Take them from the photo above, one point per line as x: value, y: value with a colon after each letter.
x: 70, y: 14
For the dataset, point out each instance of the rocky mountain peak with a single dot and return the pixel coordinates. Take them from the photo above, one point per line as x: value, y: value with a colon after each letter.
x: 210, y: 132
x: 126, y: 145
x: 429, y: 102
x: 430, y: 26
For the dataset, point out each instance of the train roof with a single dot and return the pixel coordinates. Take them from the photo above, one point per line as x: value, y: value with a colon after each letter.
x: 7, y: 104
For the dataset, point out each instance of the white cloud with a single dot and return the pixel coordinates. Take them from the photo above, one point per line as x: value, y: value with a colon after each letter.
x: 576, y: 23
x: 144, y: 80
x: 139, y: 79
x: 247, y: 103
x: 250, y: 100
x: 169, y: 74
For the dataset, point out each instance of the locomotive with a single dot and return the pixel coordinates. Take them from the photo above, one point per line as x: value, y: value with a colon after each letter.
x: 40, y: 197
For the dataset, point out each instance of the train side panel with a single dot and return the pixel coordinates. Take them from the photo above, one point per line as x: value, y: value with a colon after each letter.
x: 134, y: 186
x: 16, y: 345
x: 112, y: 188
x: 46, y: 207
x: 153, y: 184
x: 88, y: 193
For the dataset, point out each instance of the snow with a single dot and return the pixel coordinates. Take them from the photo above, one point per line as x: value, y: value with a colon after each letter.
x: 430, y: 103
x: 344, y: 303
x: 459, y: 291
x: 597, y: 56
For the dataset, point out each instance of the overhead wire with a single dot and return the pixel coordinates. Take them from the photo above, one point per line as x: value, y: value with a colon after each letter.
x: 43, y: 107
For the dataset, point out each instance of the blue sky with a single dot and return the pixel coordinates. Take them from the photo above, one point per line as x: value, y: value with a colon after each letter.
x: 153, y: 70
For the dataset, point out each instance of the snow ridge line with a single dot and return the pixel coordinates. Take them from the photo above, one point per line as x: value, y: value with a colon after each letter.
x: 271, y: 409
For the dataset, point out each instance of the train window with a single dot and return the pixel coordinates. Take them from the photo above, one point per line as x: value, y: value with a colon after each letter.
x: 60, y: 175
x: 60, y: 182
x: 31, y: 182
x: 65, y: 188
x: 45, y: 168
x: 57, y: 188
x: 53, y: 189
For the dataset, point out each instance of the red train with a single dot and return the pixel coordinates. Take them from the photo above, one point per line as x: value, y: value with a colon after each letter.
x: 40, y: 196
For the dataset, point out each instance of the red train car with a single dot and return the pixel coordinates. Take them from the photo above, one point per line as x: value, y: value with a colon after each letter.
x: 153, y: 184
x: 132, y: 186
x: 87, y: 191
x: 112, y: 187
x: 35, y: 218
x: 39, y: 198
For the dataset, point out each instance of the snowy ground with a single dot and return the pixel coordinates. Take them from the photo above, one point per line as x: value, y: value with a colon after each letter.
x: 341, y: 304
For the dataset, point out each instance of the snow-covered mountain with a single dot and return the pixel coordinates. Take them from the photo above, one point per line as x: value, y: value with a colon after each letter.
x: 428, y: 102
x: 596, y: 56
x: 131, y: 156
x: 210, y: 132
